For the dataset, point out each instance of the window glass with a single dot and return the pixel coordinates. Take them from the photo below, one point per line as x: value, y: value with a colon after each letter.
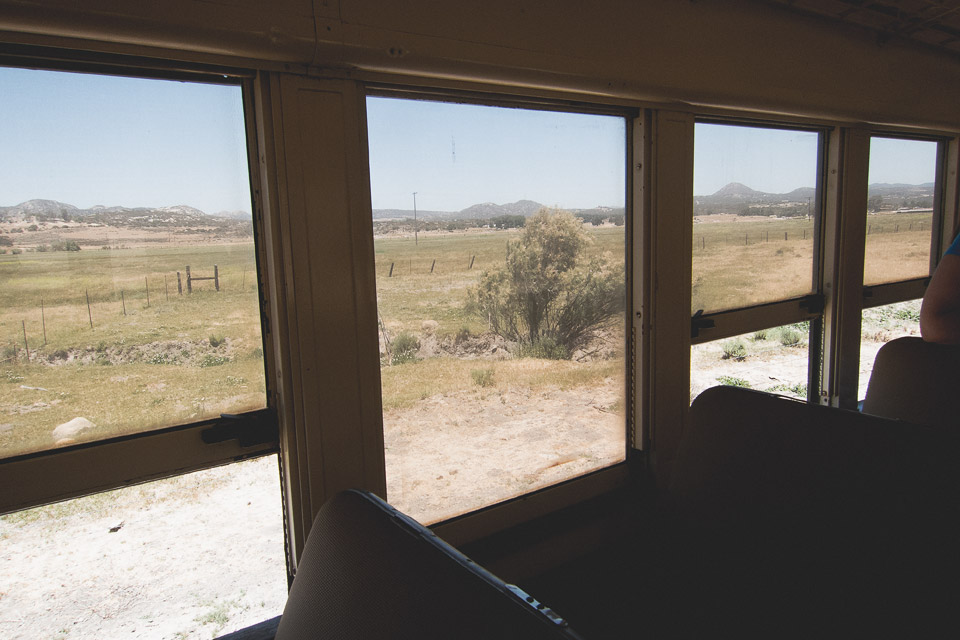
x: 773, y: 360
x: 500, y: 262
x: 195, y: 556
x: 754, y: 211
x: 880, y: 325
x: 129, y: 282
x: 899, y: 209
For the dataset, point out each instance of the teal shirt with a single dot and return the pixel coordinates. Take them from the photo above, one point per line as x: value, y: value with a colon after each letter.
x: 954, y: 248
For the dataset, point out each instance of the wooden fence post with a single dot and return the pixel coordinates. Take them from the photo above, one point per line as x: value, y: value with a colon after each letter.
x: 123, y: 302
x: 26, y: 347
x: 89, y: 313
x: 146, y: 284
x: 390, y: 275
x: 433, y: 265
x: 216, y: 278
x: 179, y: 284
x: 189, y: 285
x: 471, y: 262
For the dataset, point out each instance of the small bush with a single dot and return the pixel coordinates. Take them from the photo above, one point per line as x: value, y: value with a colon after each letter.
x: 799, y: 389
x: 790, y: 337
x: 730, y: 381
x: 216, y: 341
x: 462, y: 335
x: 213, y: 360
x: 910, y: 315
x: 42, y: 248
x: 482, y: 377
x: 33, y: 227
x: 405, y: 348
x: 759, y: 335
x: 66, y: 245
x: 734, y: 349
x: 16, y: 252
x: 159, y: 358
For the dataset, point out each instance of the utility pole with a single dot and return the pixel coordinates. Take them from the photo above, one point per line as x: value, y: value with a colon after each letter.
x: 415, y: 241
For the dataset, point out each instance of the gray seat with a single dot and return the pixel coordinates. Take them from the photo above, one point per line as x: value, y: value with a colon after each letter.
x: 799, y: 520
x: 915, y: 381
x: 369, y: 572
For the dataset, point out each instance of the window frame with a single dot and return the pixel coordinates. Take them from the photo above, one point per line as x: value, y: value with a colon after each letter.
x: 52, y: 475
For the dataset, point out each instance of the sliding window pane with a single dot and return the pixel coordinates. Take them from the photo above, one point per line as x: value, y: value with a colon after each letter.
x: 500, y: 263
x: 129, y: 282
x: 772, y: 360
x: 900, y: 201
x: 754, y: 215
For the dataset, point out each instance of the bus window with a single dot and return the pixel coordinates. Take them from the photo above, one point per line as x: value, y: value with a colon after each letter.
x: 499, y: 237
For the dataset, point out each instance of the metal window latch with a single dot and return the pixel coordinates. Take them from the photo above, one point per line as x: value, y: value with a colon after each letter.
x: 813, y: 303
x: 698, y: 322
x: 250, y: 429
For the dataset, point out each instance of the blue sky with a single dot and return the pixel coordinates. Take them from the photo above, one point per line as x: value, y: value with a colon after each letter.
x: 87, y: 140
x: 456, y: 155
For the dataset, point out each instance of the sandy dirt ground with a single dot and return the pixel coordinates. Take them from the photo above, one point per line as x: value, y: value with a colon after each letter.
x: 202, y: 555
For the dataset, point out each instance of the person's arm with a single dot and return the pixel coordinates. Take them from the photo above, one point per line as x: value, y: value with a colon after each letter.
x: 940, y: 312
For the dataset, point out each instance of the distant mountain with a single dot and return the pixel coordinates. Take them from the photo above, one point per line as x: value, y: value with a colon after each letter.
x: 488, y: 210
x: 173, y: 216
x: 736, y: 190
x: 401, y: 214
x: 740, y: 199
x: 900, y: 189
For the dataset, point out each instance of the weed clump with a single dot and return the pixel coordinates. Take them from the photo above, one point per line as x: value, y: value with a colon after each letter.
x: 734, y: 350
x: 213, y: 360
x: 730, y: 381
x: 216, y: 340
x: 405, y: 347
x: 790, y: 337
x: 482, y: 377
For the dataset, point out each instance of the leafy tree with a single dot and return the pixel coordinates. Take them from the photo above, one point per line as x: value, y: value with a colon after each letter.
x: 550, y: 296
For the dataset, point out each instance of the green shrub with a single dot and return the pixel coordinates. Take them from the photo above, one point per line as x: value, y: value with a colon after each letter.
x: 759, y: 335
x: 799, y: 389
x: 213, y: 360
x: 65, y: 245
x: 462, y: 335
x: 482, y: 377
x: 730, y: 381
x: 404, y: 347
x: 790, y: 337
x: 549, y: 289
x: 216, y: 341
x: 734, y: 349
x: 16, y: 252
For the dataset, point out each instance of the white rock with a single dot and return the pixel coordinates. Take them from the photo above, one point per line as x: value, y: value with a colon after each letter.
x: 69, y: 430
